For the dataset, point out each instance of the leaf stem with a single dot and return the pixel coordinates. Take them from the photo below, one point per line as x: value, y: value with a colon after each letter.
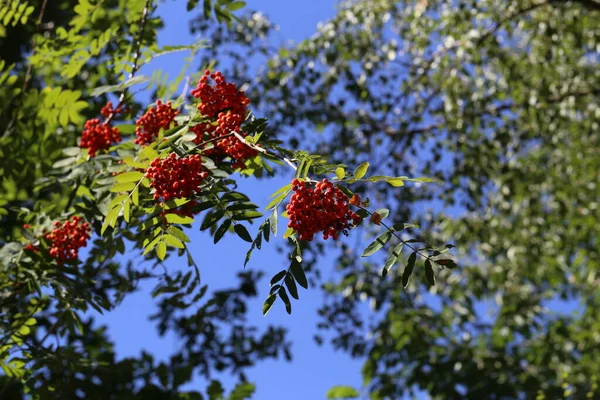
x: 393, y: 232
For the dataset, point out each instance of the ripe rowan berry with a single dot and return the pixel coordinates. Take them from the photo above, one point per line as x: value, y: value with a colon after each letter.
x: 98, y: 136
x: 108, y: 110
x: 221, y: 97
x: 323, y: 209
x: 174, y: 177
x: 158, y: 117
x: 225, y: 103
x: 67, y: 238
x: 30, y: 247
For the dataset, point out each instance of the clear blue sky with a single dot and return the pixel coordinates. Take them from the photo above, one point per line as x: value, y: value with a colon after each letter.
x: 314, y: 369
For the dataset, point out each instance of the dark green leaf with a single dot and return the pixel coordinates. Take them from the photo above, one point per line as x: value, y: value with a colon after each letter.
x: 299, y: 274
x: 291, y: 285
x: 451, y: 264
x: 242, y: 232
x: 429, y: 274
x: 221, y: 230
x: 268, y: 303
x: 377, y: 244
x: 211, y: 219
x: 408, y: 270
x: 286, y: 300
x: 277, y: 277
x: 242, y: 391
x: 392, y: 258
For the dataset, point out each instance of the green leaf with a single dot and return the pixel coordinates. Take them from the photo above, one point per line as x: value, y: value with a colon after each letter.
x: 274, y: 221
x: 421, y: 180
x: 340, y: 173
x: 242, y: 391
x: 342, y: 392
x: 392, y: 258
x: 65, y: 162
x: 178, y: 233
x: 127, y: 129
x: 122, y: 187
x: 221, y: 230
x: 396, y: 182
x: 215, y: 389
x: 126, y: 210
x: 277, y: 200
x: 281, y: 190
x: 429, y: 274
x: 408, y: 270
x: 242, y: 232
x: 361, y: 170
x: 291, y: 285
x: 236, y: 5
x: 71, y: 151
x: 288, y: 232
x: 246, y: 215
x: 277, y: 277
x: 286, y: 300
x: 161, y: 250
x: 384, y: 212
x: 268, y: 304
x: 173, y: 241
x: 135, y: 195
x: 399, y: 226
x: 377, y: 244
x: 178, y: 219
x: 118, y: 88
x: 211, y: 219
x: 299, y: 274
x: 133, y: 176
x: 451, y: 264
x: 24, y: 330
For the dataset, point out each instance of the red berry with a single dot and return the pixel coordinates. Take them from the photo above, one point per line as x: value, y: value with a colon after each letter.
x: 149, y: 124
x: 67, y: 238
x: 324, y: 209
x: 108, y: 110
x: 98, y: 136
x: 176, y: 177
x: 225, y: 103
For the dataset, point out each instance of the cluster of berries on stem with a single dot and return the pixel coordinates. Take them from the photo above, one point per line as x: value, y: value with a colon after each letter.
x: 322, y: 209
x: 175, y: 177
x: 67, y: 238
x: 98, y: 135
x: 108, y: 111
x: 225, y: 103
x: 158, y: 117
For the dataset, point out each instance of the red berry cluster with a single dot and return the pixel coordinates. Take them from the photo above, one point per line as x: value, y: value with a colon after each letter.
x: 97, y: 135
x: 225, y: 103
x: 108, y: 110
x: 220, y: 97
x: 174, y: 177
x: 67, y: 238
x: 323, y: 209
x: 158, y: 117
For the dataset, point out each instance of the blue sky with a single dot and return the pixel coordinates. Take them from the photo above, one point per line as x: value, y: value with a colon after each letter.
x: 314, y: 369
